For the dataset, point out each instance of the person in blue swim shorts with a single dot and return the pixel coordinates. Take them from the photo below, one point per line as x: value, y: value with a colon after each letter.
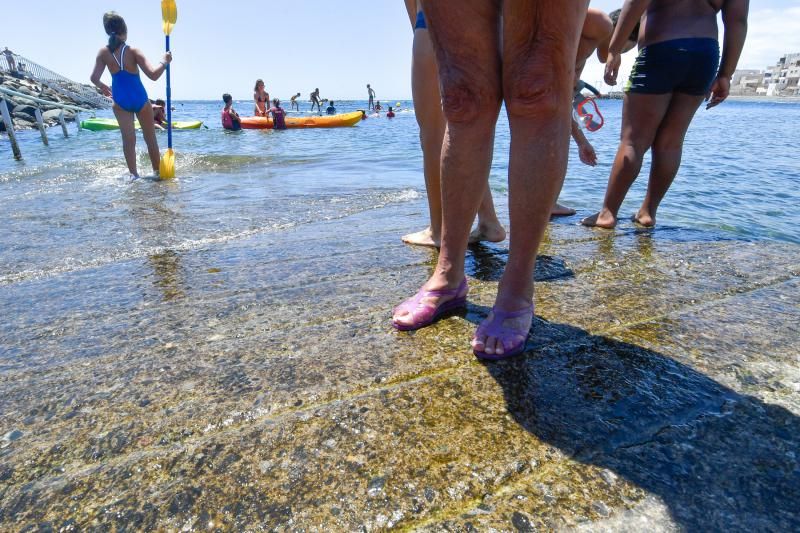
x: 677, y: 68
x: 127, y: 91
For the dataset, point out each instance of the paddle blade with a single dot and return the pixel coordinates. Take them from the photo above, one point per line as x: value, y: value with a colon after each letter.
x: 169, y: 15
x: 166, y: 168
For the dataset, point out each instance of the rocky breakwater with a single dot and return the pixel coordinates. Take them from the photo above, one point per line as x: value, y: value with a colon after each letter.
x: 23, y: 110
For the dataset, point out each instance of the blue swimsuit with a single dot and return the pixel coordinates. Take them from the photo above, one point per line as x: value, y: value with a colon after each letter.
x: 420, y: 25
x: 126, y: 88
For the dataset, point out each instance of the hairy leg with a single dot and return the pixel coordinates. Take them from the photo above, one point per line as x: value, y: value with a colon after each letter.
x: 667, y: 151
x: 540, y: 40
x: 128, y: 131
x: 641, y: 117
x: 465, y: 35
x: 145, y: 115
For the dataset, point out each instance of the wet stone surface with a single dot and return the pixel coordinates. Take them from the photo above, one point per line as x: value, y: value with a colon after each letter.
x: 257, y: 384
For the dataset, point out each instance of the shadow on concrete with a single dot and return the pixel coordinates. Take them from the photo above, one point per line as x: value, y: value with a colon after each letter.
x: 718, y: 459
x: 486, y: 263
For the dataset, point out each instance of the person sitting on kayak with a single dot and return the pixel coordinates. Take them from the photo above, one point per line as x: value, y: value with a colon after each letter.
x: 130, y: 96
x: 278, y: 115
x: 159, y: 114
x: 261, y: 98
x: 390, y: 114
x: 295, y: 104
x: 230, y: 118
x: 331, y: 109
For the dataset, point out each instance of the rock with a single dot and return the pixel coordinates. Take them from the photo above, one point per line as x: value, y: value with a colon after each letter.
x: 24, y: 109
x: 52, y: 115
x: 521, y: 523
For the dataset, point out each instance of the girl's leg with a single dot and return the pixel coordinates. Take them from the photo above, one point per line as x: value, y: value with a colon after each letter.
x: 428, y: 110
x: 145, y: 115
x: 126, y: 128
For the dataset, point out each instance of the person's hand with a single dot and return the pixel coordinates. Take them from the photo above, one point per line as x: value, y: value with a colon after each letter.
x: 613, y: 63
x: 167, y: 58
x: 718, y: 92
x: 587, y: 154
x: 106, y: 90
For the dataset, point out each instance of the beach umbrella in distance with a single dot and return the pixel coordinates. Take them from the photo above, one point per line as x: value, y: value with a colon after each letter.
x: 169, y: 15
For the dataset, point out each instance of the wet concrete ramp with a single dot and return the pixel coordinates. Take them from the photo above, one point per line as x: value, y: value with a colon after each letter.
x: 258, y: 385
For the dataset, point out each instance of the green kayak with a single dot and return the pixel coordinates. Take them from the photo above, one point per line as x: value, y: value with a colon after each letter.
x: 100, y: 124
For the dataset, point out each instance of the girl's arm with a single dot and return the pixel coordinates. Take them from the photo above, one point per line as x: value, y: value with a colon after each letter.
x: 99, y: 67
x: 152, y: 72
x: 411, y: 7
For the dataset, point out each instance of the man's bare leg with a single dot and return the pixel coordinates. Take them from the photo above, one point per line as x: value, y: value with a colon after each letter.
x: 667, y: 151
x: 465, y: 34
x: 641, y: 117
x: 540, y: 40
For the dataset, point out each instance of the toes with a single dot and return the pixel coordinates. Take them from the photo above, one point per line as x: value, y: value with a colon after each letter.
x: 492, y: 347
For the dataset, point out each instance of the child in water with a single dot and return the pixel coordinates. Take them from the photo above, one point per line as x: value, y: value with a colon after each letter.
x: 230, y: 118
x: 390, y: 114
x: 294, y: 102
x: 278, y: 115
x: 130, y: 96
x: 331, y: 110
x: 159, y: 114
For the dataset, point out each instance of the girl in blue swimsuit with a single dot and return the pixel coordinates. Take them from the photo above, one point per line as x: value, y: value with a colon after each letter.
x: 126, y: 89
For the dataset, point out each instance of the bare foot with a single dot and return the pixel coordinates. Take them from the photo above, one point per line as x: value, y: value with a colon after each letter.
x: 603, y: 219
x: 561, y: 211
x: 643, y: 218
x: 422, y: 238
x: 485, y: 232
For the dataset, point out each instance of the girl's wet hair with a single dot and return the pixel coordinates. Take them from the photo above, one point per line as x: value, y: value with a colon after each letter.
x: 257, y: 82
x: 115, y: 26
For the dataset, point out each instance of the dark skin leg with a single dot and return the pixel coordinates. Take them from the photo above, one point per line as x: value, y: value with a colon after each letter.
x: 667, y: 150
x: 642, y: 115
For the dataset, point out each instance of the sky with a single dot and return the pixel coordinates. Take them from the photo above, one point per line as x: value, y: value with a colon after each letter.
x: 295, y: 46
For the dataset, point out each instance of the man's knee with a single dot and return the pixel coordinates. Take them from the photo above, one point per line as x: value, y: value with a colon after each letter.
x: 467, y: 100
x: 536, y: 90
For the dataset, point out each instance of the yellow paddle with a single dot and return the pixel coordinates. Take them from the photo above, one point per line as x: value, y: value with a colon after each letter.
x: 166, y: 168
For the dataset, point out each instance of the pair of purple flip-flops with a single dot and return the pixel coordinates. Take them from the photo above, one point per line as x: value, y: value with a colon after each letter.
x: 425, y: 315
x: 513, y: 340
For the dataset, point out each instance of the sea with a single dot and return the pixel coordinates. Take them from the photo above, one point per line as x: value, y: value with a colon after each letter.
x: 70, y: 205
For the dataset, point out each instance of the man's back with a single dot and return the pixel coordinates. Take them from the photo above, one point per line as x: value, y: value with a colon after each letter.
x: 678, y: 19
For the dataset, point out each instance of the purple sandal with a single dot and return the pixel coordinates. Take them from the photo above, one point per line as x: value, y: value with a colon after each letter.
x: 424, y: 315
x: 507, y: 336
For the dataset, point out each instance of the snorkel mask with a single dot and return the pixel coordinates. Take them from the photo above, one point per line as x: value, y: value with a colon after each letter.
x: 587, y: 113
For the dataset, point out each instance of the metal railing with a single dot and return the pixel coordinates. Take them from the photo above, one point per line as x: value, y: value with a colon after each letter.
x: 18, y: 66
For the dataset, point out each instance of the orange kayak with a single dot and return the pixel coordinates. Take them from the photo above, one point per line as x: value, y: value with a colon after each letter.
x: 324, y: 121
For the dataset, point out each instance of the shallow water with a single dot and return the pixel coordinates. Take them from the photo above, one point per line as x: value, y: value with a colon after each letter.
x: 69, y: 206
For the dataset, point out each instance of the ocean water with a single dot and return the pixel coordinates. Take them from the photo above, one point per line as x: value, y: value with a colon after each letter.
x: 69, y: 206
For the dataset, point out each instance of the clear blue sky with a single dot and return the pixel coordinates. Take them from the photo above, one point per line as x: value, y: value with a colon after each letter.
x: 294, y: 46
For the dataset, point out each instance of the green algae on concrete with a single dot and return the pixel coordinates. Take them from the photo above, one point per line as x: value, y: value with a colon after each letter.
x: 258, y: 385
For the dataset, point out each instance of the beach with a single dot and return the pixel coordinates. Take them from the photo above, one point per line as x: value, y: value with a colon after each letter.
x: 216, y: 352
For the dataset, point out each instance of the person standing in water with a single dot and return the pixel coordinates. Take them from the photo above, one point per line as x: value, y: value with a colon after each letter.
x: 294, y: 103
x: 129, y: 95
x: 261, y: 99
x: 278, y: 115
x: 314, y: 97
x: 675, y: 71
x: 230, y: 118
x: 371, y: 94
x: 432, y: 126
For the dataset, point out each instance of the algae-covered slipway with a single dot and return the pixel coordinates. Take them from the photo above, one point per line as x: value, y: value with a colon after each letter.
x: 257, y: 384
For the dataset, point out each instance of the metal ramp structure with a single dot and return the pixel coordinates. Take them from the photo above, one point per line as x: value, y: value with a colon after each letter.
x: 20, y: 67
